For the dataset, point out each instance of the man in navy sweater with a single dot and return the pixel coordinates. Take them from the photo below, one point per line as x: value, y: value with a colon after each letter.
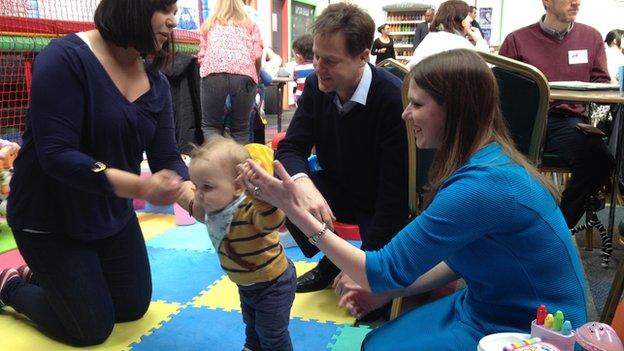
x: 565, y: 50
x: 350, y: 112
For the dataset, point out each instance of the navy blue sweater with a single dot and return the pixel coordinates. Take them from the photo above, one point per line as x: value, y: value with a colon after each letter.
x: 364, y: 151
x: 78, y: 117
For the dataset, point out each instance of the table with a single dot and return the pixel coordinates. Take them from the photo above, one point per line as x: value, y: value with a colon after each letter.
x: 604, y: 97
x: 279, y: 82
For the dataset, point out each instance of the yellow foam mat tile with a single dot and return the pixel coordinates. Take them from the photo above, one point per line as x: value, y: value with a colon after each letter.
x: 320, y: 305
x: 19, y: 334
x: 154, y: 224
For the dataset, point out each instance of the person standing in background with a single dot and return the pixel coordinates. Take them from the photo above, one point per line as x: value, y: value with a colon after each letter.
x: 383, y: 47
x: 304, y: 57
x: 450, y: 29
x: 230, y: 53
x: 422, y: 29
x: 615, y: 56
x: 475, y: 23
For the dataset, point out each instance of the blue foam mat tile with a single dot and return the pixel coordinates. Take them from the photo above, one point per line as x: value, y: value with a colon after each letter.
x: 311, y: 335
x: 228, y: 334
x: 157, y: 209
x: 189, y: 237
x: 179, y: 276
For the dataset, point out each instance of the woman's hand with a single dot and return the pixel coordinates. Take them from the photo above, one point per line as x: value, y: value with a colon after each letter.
x: 474, y: 35
x: 265, y: 187
x: 360, y: 302
x: 286, y: 194
x: 161, y: 188
x: 340, y: 282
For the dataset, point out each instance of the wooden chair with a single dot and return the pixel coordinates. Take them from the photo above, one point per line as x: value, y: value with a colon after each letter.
x: 418, y: 160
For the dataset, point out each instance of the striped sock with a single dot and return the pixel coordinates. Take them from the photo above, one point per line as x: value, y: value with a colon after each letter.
x: 6, y: 275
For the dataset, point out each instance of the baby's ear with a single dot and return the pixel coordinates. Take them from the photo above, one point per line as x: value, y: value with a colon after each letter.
x: 239, y: 186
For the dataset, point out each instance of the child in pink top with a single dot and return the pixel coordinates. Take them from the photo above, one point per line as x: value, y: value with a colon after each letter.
x: 230, y: 54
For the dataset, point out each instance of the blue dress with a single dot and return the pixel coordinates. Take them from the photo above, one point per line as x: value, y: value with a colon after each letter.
x: 498, y: 228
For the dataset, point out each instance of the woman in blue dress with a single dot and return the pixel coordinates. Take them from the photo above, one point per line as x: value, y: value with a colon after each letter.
x: 489, y: 218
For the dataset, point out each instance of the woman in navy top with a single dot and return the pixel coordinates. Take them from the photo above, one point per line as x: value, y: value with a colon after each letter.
x: 96, y: 107
x: 490, y: 218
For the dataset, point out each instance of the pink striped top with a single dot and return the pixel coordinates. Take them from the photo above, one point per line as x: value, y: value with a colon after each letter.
x: 230, y: 49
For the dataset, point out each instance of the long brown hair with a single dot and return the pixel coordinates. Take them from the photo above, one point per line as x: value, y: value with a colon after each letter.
x: 461, y: 81
x: 449, y: 17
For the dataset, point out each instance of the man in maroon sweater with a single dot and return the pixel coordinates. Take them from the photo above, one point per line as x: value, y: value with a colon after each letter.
x: 565, y: 50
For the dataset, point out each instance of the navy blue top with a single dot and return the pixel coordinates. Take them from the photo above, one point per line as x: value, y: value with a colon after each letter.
x: 498, y: 228
x: 78, y: 117
x: 363, y: 152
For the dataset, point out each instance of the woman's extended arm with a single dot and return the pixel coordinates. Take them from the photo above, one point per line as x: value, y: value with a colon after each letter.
x: 279, y: 193
x: 359, y: 301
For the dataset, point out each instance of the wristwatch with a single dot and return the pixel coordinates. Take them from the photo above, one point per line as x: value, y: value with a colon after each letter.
x: 314, y: 238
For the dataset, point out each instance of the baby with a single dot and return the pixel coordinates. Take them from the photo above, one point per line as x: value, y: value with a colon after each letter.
x: 243, y: 231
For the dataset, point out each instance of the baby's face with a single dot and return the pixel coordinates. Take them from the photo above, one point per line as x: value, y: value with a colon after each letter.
x: 215, y: 184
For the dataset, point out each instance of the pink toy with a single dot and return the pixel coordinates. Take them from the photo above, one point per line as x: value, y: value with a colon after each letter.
x: 182, y: 217
x: 561, y: 341
x: 595, y: 336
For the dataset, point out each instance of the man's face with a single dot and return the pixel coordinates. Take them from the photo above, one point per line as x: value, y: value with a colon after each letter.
x: 428, y: 16
x: 564, y: 11
x: 335, y: 68
x: 473, y: 13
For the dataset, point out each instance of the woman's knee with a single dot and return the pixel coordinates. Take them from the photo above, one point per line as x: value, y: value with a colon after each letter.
x: 93, y: 332
x: 132, y: 311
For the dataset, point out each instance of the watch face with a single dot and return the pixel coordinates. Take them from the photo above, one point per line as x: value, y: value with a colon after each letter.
x: 98, y: 167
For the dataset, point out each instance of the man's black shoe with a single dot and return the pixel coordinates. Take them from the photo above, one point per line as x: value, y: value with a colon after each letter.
x: 313, y: 280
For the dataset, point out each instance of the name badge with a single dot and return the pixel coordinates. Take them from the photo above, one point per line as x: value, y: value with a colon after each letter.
x: 576, y: 57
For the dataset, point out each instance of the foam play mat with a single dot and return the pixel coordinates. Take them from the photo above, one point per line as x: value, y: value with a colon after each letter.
x: 194, y: 305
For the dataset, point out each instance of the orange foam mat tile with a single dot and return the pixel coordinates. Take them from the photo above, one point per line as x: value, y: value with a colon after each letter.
x: 154, y: 224
x: 17, y: 333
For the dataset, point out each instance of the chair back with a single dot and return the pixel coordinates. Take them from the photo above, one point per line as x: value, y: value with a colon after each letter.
x: 416, y: 168
x: 524, y: 96
x: 395, y: 67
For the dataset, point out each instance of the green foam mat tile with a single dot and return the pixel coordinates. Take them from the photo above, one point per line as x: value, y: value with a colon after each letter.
x: 348, y: 338
x: 7, y: 242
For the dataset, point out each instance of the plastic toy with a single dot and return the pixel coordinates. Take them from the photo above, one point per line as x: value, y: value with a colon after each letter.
x: 595, y: 336
x: 592, y: 336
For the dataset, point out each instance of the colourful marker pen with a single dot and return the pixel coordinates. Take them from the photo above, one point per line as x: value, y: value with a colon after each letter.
x: 541, y: 315
x: 558, y: 322
x: 566, y: 329
x: 548, y: 322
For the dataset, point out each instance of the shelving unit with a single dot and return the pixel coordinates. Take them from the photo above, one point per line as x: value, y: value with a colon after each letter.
x: 403, y: 18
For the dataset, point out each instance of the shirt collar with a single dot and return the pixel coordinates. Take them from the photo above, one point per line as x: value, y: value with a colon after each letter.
x: 359, y: 95
x: 554, y: 33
